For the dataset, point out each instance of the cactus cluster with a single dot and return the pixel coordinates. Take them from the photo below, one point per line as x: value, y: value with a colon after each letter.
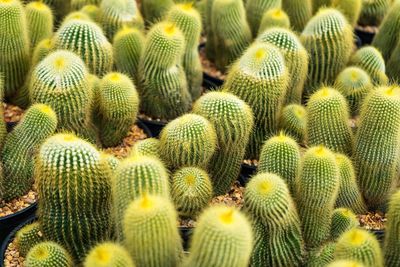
x: 48, y: 254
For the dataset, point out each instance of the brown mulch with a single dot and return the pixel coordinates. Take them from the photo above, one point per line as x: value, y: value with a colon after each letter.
x: 209, y: 67
x: 12, y: 258
x: 251, y: 162
x: 17, y: 204
x: 148, y: 118
x: 373, y: 221
x: 12, y: 113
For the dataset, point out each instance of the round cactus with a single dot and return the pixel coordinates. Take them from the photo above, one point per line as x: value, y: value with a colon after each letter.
x: 350, y: 8
x: 275, y: 17
x: 39, y: 19
x: 392, y: 254
x: 78, y: 4
x: 373, y: 12
x: 255, y: 10
x: 112, y: 161
x: 343, y: 220
x: 345, y: 263
x: 27, y: 237
x: 393, y: 70
x: 155, y: 10
x: 48, y: 254
x: 146, y: 147
x: 76, y: 15
x: 93, y: 12
x: 299, y: 12
x: 108, y: 255
x: 60, y: 7
x: 293, y: 122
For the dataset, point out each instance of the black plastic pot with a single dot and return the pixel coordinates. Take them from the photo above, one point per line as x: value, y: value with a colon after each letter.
x: 10, y: 126
x: 365, y: 36
x: 154, y: 127
x: 247, y: 171
x: 379, y: 234
x: 186, y: 234
x: 145, y: 128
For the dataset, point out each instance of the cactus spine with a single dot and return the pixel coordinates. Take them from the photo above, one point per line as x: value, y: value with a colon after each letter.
x: 255, y: 10
x: 392, y: 255
x: 48, y: 254
x: 299, y: 12
x: 293, y: 122
x: 108, y: 255
x: 321, y: 256
x: 350, y: 8
x: 40, y: 22
x: 373, y: 12
x: 345, y: 263
x: 275, y: 17
x: 343, y: 220
x: 93, y: 12
x: 42, y: 50
x: 393, y: 70
x: 27, y: 237
x: 146, y: 147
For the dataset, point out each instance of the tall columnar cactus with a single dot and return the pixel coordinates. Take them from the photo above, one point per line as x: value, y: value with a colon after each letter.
x: 210, y: 44
x: 128, y: 47
x: 60, y: 7
x: 146, y: 147
x: 27, y: 237
x: 392, y: 254
x: 231, y: 31
x: 376, y: 151
x: 134, y: 177
x: 317, y: 4
x: 281, y: 155
x: 39, y: 123
x: 191, y: 191
x: 267, y: 198
x: 188, y: 20
x: 293, y: 122
x: 387, y: 37
x: 349, y: 194
x: 326, y: 32
x: 359, y: 245
x: 355, y: 84
x: 61, y: 81
x: 370, y: 60
x: 275, y: 17
x: 373, y: 12
x: 345, y: 263
x: 260, y: 78
x: 150, y: 231
x: 350, y: 8
x: 255, y: 10
x: 78, y: 4
x: 87, y: 40
x: 393, y: 70
x: 42, y: 50
x: 48, y: 254
x: 189, y: 140
x: 163, y: 88
x: 93, y: 12
x: 329, y: 108
x: 343, y: 220
x: 74, y: 187
x: 116, y: 13
x: 14, y: 44
x: 296, y: 60
x: 317, y: 187
x: 321, y: 256
x: 224, y: 230
x: 117, y: 108
x: 40, y: 22
x: 233, y: 121
x: 108, y: 255
x: 299, y: 12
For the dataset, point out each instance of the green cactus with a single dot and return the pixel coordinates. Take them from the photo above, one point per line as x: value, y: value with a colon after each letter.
x: 39, y: 123
x: 74, y: 16
x: 299, y: 12
x: 48, y: 254
x: 27, y: 237
x: 359, y: 245
x: 152, y: 220
x: 260, y: 78
x: 93, y: 12
x: 345, y: 263
x: 392, y: 256
x: 326, y: 32
x: 60, y: 7
x: 373, y: 12
x: 210, y: 44
x: 222, y: 229
x: 351, y: 9
x: 74, y: 188
x: 376, y: 151
x: 321, y: 256
x: 3, y: 127
x: 189, y: 140
x: 281, y: 155
x: 188, y: 20
x: 255, y: 9
x: 393, y: 70
x: 268, y: 199
x: 116, y: 13
x: 112, y: 161
x: 108, y: 255
x: 231, y: 31
x: 355, y: 84
x: 317, y: 187
x: 260, y: 247
x: 233, y: 121
x: 343, y: 220
x: 317, y: 4
x: 293, y: 122
x: 42, y: 50
x: 155, y: 10
x: 328, y: 107
x: 39, y: 19
x: 296, y: 60
x: 275, y: 17
x: 78, y: 4
x: 370, y: 60
x: 146, y: 147
x: 191, y: 191
x: 14, y: 44
x: 163, y: 89
x: 135, y: 176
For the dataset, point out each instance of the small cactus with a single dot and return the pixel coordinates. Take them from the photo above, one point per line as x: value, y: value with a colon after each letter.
x: 27, y: 237
x: 321, y: 256
x: 108, y: 255
x: 39, y: 19
x: 293, y: 122
x: 155, y: 10
x: 275, y: 17
x: 78, y: 4
x: 391, y: 245
x: 255, y: 10
x: 345, y: 263
x: 48, y: 254
x: 42, y: 50
x: 146, y: 147
x: 373, y: 12
x: 343, y: 220
x: 351, y: 9
x: 299, y: 12
x: 93, y: 12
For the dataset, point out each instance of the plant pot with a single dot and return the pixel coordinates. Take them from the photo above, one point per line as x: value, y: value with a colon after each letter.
x: 186, y: 235
x: 366, y: 37
x: 154, y: 127
x: 247, y: 171
x: 145, y: 128
x: 210, y: 82
x: 10, y: 126
x: 379, y: 234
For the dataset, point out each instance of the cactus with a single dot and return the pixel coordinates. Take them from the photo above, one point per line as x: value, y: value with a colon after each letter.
x: 14, y: 44
x: 222, y: 229
x: 275, y: 17
x: 82, y: 217
x: 393, y: 70
x: 343, y: 220
x: 359, y: 245
x: 191, y: 191
x: 373, y: 12
x: 112, y: 161
x: 3, y: 127
x: 146, y: 147
x: 27, y: 237
x: 48, y: 254
x: 260, y: 249
x: 78, y: 4
x: 268, y: 199
x: 60, y: 7
x: 281, y: 155
x: 391, y: 244
x: 255, y: 10
x: 135, y: 176
x: 321, y: 256
x: 188, y: 20
x: 231, y: 31
x: 164, y: 92
x: 349, y: 194
x: 355, y: 84
x: 233, y: 121
x: 329, y: 108
x: 317, y: 4
x: 39, y: 123
x: 316, y: 191
x: 150, y: 231
x: 87, y: 40
x: 39, y: 19
x: 370, y: 60
x: 42, y: 50
x: 210, y: 44
x: 260, y: 78
x: 299, y: 12
x: 93, y: 12
x: 74, y: 16
x: 155, y: 10
x: 189, y: 140
x: 293, y: 122
x: 296, y: 60
x: 108, y: 255
x: 351, y: 9
x: 327, y: 31
x: 345, y: 263
x: 376, y: 151
x: 116, y: 13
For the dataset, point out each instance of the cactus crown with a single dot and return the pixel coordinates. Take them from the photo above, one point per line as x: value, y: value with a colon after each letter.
x: 48, y: 254
x: 370, y: 58
x: 282, y: 38
x: 329, y: 96
x: 326, y: 21
x: 108, y: 255
x: 345, y: 263
x: 353, y: 78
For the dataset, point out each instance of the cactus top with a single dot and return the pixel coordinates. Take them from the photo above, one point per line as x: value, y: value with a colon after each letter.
x: 345, y: 263
x: 329, y: 96
x: 369, y: 56
x: 37, y: 5
x: 282, y: 38
x: 108, y: 255
x: 124, y: 10
x: 356, y: 238
x: 353, y: 77
x: 328, y: 21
